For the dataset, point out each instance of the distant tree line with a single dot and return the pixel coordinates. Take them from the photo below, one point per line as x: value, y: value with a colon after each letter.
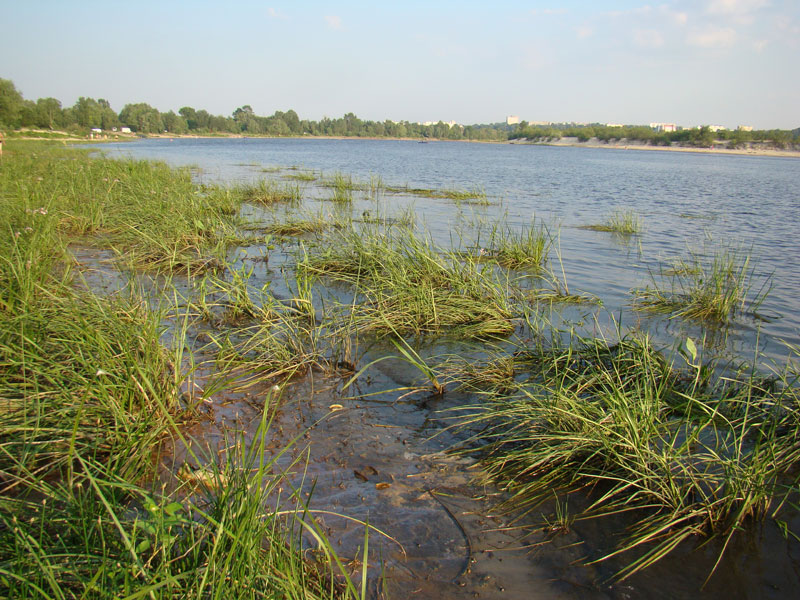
x: 87, y: 113
x: 701, y: 137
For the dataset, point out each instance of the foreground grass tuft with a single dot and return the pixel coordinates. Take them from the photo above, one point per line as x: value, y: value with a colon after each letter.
x: 681, y: 454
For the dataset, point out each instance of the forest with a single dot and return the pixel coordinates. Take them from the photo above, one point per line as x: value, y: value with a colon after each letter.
x: 86, y: 114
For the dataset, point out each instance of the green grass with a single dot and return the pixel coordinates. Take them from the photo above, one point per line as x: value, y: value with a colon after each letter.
x: 682, y: 454
x: 269, y: 192
x: 527, y: 248
x: 713, y: 289
x: 305, y: 176
x: 298, y: 227
x: 411, y: 286
x: 474, y: 194
x: 624, y: 222
x: 90, y: 394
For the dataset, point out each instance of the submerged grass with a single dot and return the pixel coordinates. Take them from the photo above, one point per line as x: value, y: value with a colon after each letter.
x: 475, y: 194
x: 624, y: 222
x: 711, y: 289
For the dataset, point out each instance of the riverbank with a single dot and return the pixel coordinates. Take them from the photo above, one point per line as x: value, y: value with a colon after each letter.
x: 750, y: 150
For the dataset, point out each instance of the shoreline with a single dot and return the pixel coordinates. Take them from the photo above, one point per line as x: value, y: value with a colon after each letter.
x: 561, y: 143
x: 573, y: 143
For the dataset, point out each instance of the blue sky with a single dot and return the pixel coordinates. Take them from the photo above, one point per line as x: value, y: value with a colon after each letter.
x: 726, y: 62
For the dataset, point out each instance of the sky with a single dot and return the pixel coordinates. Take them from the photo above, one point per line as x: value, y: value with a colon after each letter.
x: 690, y: 62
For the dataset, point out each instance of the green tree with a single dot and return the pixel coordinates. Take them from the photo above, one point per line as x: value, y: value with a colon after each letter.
x: 11, y: 104
x: 108, y: 118
x: 88, y: 113
x: 190, y: 114
x: 141, y: 118
x: 174, y: 123
x: 292, y: 121
x: 49, y: 113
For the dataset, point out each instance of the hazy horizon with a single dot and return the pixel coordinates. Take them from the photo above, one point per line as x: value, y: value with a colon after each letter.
x: 716, y: 62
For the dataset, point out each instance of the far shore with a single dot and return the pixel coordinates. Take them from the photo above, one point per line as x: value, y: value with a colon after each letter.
x: 567, y: 142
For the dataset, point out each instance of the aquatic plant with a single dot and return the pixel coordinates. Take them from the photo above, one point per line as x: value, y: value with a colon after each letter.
x: 527, y: 247
x: 410, y: 284
x: 713, y: 289
x: 92, y: 388
x: 266, y: 191
x: 625, y: 222
x: 681, y: 454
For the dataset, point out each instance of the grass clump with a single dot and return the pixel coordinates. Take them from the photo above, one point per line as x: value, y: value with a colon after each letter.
x: 154, y: 217
x: 682, y: 455
x: 342, y: 186
x: 623, y: 222
x: 714, y: 289
x: 269, y: 192
x: 298, y: 227
x: 527, y: 248
x: 411, y: 287
x: 475, y: 194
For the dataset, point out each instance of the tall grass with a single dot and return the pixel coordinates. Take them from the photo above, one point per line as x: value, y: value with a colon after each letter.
x: 713, y: 289
x: 410, y: 286
x: 89, y: 395
x: 683, y: 454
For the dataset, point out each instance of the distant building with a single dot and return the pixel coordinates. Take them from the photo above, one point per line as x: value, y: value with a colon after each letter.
x: 744, y: 128
x: 716, y: 128
x: 664, y: 127
x: 125, y: 129
x: 512, y: 120
x: 614, y: 125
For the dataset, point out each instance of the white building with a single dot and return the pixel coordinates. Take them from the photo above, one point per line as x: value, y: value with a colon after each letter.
x: 664, y: 127
x: 512, y: 120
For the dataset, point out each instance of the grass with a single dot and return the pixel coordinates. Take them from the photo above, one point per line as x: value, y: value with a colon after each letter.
x: 305, y: 176
x: 476, y: 193
x: 299, y: 227
x: 713, y: 289
x: 528, y: 247
x: 269, y: 192
x: 90, y: 394
x: 623, y: 222
x: 92, y: 388
x: 683, y: 456
x: 410, y: 286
